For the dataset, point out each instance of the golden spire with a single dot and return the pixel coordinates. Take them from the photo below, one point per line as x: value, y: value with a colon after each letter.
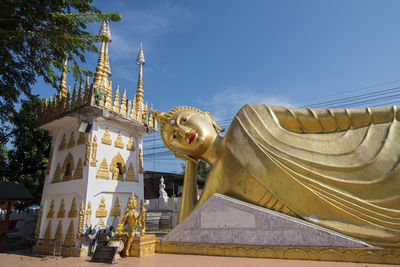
x: 101, y: 75
x: 106, y: 58
x: 63, y: 82
x: 139, y: 92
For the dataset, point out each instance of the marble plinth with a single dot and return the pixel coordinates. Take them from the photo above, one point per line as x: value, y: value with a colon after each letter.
x: 224, y: 220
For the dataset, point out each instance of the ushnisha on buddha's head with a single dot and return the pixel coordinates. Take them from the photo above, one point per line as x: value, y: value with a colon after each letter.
x: 187, y: 131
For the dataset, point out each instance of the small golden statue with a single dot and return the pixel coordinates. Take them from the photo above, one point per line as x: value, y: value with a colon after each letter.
x: 142, y: 217
x: 130, y: 221
x: 337, y: 168
x: 127, y: 230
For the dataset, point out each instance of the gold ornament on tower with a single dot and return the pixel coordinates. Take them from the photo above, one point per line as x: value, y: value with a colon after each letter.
x: 130, y: 175
x: 39, y: 221
x: 117, y: 167
x: 116, y: 210
x: 50, y: 160
x: 47, y: 234
x: 63, y: 144
x: 51, y: 211
x: 73, y: 212
x: 140, y: 161
x: 102, y: 173
x: 59, y: 232
x: 57, y: 174
x: 70, y: 236
x: 61, y: 211
x: 130, y: 146
x: 88, y: 213
x: 106, y: 137
x: 79, y: 170
x: 81, y: 139
x: 87, y: 151
x: 94, y: 152
x: 118, y: 142
x: 101, y: 210
x: 68, y: 167
x: 71, y: 142
x: 80, y: 222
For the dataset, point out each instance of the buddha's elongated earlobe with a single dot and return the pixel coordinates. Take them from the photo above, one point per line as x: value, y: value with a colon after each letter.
x: 214, y: 123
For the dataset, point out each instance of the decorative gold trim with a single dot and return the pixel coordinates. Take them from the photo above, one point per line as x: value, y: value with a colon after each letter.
x: 116, y: 210
x: 47, y: 234
x: 118, y: 142
x: 87, y: 151
x: 106, y: 137
x: 365, y: 255
x: 69, y: 159
x: 130, y: 146
x: 88, y: 213
x: 51, y: 212
x: 140, y: 161
x: 73, y: 212
x: 80, y: 223
x: 81, y: 139
x: 102, y: 173
x: 63, y: 144
x: 130, y: 175
x: 50, y: 160
x: 79, y: 170
x: 101, y: 222
x: 59, y: 232
x: 61, y: 211
x: 101, y: 210
x: 38, y: 222
x: 71, y: 142
x: 69, y: 240
x: 114, y: 167
x: 57, y: 174
x: 94, y: 152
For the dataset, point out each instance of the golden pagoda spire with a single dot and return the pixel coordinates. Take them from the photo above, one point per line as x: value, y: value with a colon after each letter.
x: 139, y: 92
x: 63, y: 82
x: 100, y: 76
x: 106, y: 57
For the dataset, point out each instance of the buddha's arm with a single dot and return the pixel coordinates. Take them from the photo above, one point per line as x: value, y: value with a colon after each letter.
x: 305, y: 120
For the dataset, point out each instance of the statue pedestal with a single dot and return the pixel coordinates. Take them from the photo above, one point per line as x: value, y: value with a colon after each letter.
x: 143, y: 245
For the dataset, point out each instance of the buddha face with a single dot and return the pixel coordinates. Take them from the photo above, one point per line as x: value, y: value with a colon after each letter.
x: 190, y: 133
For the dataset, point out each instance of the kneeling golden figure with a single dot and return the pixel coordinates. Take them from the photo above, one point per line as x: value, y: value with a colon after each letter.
x: 338, y: 168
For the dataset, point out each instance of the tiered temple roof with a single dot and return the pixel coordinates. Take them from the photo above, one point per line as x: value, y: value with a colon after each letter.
x: 100, y: 94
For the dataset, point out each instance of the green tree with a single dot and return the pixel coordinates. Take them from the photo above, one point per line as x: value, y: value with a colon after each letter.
x: 35, y: 38
x: 27, y: 160
x: 202, y: 170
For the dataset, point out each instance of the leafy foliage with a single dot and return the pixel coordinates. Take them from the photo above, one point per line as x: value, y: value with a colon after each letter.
x: 27, y: 160
x: 35, y: 38
x: 202, y: 170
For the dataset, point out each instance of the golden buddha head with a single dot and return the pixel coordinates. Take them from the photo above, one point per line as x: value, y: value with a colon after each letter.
x: 187, y: 131
x: 132, y: 202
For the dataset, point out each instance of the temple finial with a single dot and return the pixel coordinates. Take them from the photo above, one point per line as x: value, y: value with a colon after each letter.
x: 139, y: 92
x: 101, y: 74
x: 106, y: 57
x: 63, y: 82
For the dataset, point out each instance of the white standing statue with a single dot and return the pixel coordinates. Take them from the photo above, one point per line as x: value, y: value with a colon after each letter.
x: 163, y: 198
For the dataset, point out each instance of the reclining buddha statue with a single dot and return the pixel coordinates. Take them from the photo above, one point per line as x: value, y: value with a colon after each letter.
x: 337, y: 168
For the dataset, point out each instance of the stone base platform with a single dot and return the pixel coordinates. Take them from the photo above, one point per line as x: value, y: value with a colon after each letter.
x: 224, y: 226
x: 65, y: 251
x: 361, y: 255
x: 225, y: 220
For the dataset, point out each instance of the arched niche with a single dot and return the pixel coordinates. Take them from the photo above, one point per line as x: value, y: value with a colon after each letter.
x: 118, y: 167
x: 68, y: 167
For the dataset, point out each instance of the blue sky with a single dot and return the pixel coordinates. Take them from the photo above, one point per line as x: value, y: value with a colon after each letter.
x: 219, y: 55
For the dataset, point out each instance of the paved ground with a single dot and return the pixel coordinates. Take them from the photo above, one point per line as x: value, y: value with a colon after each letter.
x: 23, y: 258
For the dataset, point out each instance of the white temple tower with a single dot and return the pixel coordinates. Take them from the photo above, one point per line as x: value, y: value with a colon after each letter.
x: 96, y: 158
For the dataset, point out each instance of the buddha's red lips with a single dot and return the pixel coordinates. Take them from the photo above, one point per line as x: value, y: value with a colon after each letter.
x: 192, y: 136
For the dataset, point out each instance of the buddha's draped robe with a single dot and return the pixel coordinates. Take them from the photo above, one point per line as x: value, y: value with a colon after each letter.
x: 338, y: 168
